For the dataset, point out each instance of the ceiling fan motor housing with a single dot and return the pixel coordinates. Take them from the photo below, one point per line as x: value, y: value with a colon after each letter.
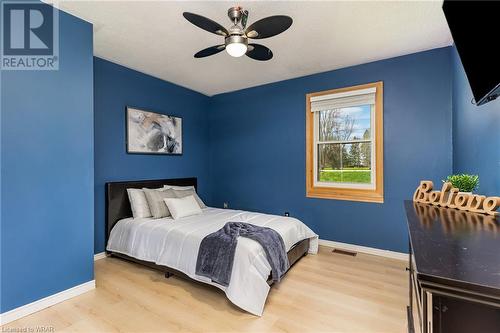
x: 234, y: 14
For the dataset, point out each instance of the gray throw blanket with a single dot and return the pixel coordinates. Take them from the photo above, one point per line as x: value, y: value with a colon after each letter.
x: 216, y: 253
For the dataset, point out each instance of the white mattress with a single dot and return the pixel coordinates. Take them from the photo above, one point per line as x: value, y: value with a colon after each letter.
x: 175, y: 243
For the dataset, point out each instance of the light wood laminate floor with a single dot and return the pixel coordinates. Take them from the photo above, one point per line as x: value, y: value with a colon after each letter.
x: 326, y: 292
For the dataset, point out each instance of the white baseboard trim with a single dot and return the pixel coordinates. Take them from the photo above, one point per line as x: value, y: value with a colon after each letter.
x: 99, y: 255
x: 43, y: 303
x: 365, y: 249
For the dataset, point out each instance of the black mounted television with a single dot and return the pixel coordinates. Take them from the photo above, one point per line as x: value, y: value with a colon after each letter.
x: 474, y: 26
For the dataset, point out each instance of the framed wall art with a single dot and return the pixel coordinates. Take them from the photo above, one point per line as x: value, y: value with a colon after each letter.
x: 153, y: 133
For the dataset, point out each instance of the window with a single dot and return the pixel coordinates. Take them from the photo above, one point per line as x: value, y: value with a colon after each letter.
x: 345, y: 143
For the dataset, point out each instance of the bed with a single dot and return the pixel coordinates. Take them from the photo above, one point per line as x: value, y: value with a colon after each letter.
x: 171, y: 246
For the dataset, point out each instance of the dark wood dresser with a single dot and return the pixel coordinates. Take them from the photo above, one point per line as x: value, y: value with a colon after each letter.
x: 454, y: 270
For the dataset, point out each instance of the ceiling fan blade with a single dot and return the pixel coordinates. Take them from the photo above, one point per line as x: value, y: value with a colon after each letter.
x: 210, y: 51
x: 269, y: 27
x: 259, y: 52
x: 206, y: 24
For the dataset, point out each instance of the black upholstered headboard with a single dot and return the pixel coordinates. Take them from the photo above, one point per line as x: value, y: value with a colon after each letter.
x: 118, y: 205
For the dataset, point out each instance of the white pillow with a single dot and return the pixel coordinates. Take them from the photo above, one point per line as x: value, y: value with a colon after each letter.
x: 182, y: 207
x: 178, y: 187
x: 139, y: 203
x: 188, y: 192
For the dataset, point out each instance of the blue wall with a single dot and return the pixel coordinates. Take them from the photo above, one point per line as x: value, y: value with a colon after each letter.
x: 257, y: 147
x: 476, y: 134
x: 47, y: 204
x: 116, y: 87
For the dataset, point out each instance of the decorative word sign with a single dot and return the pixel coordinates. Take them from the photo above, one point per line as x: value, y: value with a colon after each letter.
x: 450, y: 197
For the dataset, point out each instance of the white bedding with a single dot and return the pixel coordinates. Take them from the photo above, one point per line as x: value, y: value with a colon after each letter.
x: 175, y: 243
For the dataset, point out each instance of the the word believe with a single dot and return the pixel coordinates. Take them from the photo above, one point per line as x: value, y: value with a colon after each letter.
x: 450, y: 197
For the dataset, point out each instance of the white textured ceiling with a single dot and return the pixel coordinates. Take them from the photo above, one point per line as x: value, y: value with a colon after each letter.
x: 153, y: 37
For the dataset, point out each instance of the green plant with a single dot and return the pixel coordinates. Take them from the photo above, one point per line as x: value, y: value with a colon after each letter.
x: 464, y: 182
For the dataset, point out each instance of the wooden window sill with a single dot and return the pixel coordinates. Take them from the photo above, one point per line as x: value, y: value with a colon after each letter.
x: 345, y: 194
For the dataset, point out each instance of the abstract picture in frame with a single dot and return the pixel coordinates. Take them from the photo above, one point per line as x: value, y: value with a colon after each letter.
x: 153, y: 133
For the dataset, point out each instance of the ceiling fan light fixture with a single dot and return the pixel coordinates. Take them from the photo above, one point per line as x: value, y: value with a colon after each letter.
x: 236, y: 46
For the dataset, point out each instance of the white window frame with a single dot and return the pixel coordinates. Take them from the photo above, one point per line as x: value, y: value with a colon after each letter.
x: 373, y: 170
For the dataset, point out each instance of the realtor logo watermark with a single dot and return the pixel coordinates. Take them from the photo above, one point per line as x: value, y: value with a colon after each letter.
x: 30, y: 36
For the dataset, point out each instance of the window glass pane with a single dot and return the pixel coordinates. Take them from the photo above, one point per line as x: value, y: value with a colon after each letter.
x: 343, y: 124
x: 344, y: 163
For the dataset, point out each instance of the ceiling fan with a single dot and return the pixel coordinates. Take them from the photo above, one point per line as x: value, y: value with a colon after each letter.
x: 236, y: 37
